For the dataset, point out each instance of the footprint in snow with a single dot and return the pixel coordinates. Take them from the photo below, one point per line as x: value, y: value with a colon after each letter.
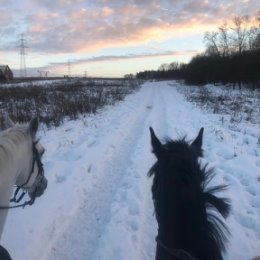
x: 251, y: 190
x: 255, y: 202
x: 133, y: 208
x: 248, y: 221
x: 133, y: 225
x: 244, y: 182
x: 91, y: 143
x: 70, y: 157
x: 89, y: 167
x: 60, y: 178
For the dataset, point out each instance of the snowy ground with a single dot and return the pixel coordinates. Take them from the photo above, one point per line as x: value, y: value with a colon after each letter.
x: 98, y: 203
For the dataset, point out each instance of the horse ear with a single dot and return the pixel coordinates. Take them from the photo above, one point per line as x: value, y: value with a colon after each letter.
x: 156, y: 144
x: 33, y: 126
x: 197, y: 143
x: 7, y: 122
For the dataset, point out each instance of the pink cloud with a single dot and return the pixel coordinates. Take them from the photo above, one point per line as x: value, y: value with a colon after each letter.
x: 107, y: 11
x: 112, y: 24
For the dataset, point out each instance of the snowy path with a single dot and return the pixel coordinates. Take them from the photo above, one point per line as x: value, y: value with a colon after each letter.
x: 98, y: 203
x: 110, y: 200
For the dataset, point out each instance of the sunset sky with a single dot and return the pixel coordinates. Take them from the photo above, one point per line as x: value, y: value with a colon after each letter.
x: 109, y: 38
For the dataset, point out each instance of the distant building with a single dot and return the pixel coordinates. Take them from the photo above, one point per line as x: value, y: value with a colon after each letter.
x: 5, y: 73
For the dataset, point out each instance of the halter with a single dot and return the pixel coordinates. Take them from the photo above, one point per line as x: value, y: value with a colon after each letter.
x: 176, y: 252
x: 37, y: 160
x: 38, y: 180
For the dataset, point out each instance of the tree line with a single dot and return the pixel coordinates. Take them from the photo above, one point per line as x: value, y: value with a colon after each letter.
x: 232, y: 56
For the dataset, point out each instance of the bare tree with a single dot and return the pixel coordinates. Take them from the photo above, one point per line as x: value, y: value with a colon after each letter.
x: 224, y: 40
x: 254, y: 33
x: 240, y: 33
x: 211, y: 38
x: 242, y: 36
x: 173, y: 66
x: 256, y: 43
x: 163, y: 67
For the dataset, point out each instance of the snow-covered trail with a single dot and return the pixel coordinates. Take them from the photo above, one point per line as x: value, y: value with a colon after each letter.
x: 98, y: 203
x: 112, y: 203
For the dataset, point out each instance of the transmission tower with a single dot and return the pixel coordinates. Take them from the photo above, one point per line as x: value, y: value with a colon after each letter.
x: 43, y: 73
x: 22, y: 57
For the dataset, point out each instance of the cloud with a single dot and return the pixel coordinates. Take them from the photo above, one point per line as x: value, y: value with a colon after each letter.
x: 68, y: 26
x: 53, y: 5
x: 107, y: 11
x: 106, y: 58
x: 5, y: 18
x: 86, y: 30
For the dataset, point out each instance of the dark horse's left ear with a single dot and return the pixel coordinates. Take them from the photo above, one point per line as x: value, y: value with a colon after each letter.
x: 33, y: 127
x: 156, y: 144
x: 197, y: 143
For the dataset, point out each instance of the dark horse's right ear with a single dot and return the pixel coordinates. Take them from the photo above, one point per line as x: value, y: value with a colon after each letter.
x: 197, y: 143
x: 156, y: 144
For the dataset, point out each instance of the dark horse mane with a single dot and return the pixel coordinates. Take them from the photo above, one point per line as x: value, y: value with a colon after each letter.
x: 187, y: 211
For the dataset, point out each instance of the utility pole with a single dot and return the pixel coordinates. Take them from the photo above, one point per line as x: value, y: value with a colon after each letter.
x: 22, y: 57
x: 85, y: 73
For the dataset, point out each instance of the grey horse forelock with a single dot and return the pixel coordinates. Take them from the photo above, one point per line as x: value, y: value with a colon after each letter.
x: 10, y: 139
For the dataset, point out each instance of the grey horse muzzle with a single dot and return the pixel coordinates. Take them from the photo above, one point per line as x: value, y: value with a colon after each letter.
x: 38, y: 188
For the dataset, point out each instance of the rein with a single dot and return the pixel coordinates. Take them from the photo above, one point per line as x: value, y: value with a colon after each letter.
x: 176, y: 252
x: 37, y: 160
x: 29, y: 202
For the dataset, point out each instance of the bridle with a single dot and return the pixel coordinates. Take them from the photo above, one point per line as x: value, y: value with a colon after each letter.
x: 38, y: 185
x: 176, y: 252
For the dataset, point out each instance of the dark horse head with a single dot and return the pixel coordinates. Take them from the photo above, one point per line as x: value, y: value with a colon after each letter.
x: 190, y: 225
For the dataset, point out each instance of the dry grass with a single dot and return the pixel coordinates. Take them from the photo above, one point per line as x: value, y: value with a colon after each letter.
x: 52, y: 103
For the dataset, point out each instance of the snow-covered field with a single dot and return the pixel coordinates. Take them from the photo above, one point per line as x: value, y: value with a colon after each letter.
x: 98, y: 202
